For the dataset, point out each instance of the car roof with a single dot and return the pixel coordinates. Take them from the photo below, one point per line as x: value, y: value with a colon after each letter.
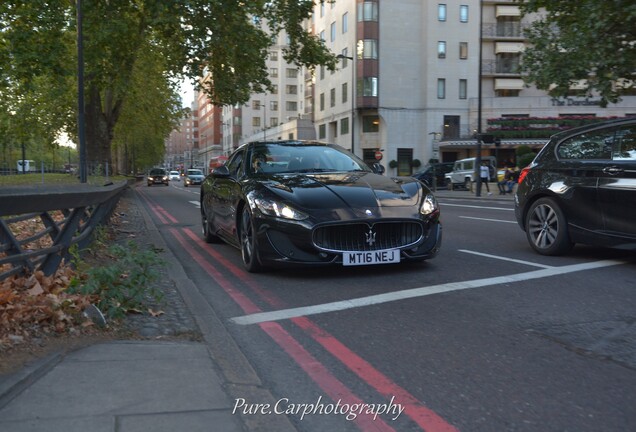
x: 592, y: 126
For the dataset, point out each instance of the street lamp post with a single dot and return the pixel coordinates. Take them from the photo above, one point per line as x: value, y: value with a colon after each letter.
x: 479, y: 102
x: 353, y: 95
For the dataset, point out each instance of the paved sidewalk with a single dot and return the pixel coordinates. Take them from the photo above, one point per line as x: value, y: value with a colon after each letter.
x: 120, y: 386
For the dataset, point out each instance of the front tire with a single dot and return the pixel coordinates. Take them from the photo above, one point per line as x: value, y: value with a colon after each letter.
x: 547, y: 228
x: 249, y: 248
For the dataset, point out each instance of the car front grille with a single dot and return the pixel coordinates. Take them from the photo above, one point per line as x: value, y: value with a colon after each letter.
x: 367, y: 237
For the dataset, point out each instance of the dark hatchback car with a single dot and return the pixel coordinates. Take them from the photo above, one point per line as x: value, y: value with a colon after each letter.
x: 158, y: 176
x: 435, y: 171
x: 311, y: 203
x: 581, y: 188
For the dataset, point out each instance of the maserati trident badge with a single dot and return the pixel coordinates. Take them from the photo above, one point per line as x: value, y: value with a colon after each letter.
x: 370, y: 237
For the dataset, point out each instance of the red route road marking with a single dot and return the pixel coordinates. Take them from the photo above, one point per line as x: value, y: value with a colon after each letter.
x: 317, y: 371
x: 426, y: 418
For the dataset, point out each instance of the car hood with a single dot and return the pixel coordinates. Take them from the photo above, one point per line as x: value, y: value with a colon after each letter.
x: 353, y: 190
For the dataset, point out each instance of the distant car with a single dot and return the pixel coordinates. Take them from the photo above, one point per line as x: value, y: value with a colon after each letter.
x: 158, y: 176
x: 174, y: 175
x: 463, y: 172
x: 193, y: 177
x: 581, y: 188
x: 439, y: 169
x: 309, y: 203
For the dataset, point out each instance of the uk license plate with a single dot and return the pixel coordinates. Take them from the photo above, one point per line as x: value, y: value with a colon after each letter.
x: 387, y: 256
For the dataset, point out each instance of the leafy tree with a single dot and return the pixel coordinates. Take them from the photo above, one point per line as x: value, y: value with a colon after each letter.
x: 38, y: 48
x: 578, y: 40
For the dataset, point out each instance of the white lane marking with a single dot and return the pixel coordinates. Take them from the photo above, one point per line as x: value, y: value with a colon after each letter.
x: 488, y: 220
x: 506, y: 259
x: 261, y: 317
x: 443, y: 204
x: 196, y: 203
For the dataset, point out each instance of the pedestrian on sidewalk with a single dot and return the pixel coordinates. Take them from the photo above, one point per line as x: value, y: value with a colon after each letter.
x: 484, y: 173
x: 504, y: 185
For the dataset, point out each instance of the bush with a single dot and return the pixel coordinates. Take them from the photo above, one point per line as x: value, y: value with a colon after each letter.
x: 122, y: 285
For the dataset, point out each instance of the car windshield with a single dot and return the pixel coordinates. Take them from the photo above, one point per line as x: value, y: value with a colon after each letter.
x: 157, y: 172
x: 195, y: 172
x: 270, y: 158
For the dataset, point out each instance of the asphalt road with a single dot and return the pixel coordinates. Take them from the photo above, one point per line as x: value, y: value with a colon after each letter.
x: 487, y: 336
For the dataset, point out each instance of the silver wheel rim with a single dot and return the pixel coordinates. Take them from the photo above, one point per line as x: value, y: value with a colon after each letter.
x: 247, y: 238
x: 543, y: 226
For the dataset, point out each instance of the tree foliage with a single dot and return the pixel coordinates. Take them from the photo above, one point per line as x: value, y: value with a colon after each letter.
x: 576, y: 40
x: 226, y: 38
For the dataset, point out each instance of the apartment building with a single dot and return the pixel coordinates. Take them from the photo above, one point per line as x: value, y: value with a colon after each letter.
x: 417, y: 72
x: 407, y: 86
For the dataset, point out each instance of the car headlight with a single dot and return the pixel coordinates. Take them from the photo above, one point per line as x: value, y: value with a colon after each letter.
x: 429, y: 206
x: 274, y: 208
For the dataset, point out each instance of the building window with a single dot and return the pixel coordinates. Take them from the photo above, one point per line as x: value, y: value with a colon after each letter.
x: 292, y: 73
x: 322, y: 35
x: 256, y: 104
x: 441, y: 12
x: 291, y: 89
x: 345, y: 92
x: 291, y: 106
x: 463, y: 88
x: 322, y: 10
x: 345, y: 22
x: 274, y: 88
x: 345, y: 60
x: 441, y: 49
x: 273, y: 55
x: 506, y: 93
x: 463, y: 13
x: 368, y: 86
x: 344, y: 126
x: 256, y: 121
x: 404, y: 159
x: 463, y: 50
x: 273, y: 121
x: 441, y: 88
x: 332, y: 97
x: 273, y: 105
x: 273, y: 72
x: 322, y: 131
x: 370, y: 124
x: 368, y: 49
x: 333, y: 31
x: 322, y: 101
x: 368, y: 11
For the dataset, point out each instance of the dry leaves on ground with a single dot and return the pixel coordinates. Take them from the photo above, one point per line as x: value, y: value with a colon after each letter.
x: 38, y: 305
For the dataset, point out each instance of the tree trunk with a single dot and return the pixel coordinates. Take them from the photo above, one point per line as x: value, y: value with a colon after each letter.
x: 100, y: 124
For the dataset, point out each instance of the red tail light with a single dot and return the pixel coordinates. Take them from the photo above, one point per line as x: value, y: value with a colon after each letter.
x: 523, y: 174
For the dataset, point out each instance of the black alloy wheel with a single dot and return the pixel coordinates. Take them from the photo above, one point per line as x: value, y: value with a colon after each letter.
x: 247, y: 235
x: 546, y: 228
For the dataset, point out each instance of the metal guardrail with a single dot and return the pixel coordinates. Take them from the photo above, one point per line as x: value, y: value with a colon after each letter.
x: 62, y: 215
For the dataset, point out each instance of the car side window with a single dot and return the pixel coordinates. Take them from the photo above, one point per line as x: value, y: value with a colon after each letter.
x: 625, y: 144
x: 594, y: 145
x: 235, y: 164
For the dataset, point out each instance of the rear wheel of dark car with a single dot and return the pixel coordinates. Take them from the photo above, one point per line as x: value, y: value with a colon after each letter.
x: 249, y: 251
x: 546, y: 228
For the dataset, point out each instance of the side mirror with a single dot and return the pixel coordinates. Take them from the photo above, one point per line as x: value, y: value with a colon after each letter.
x: 220, y: 172
x: 378, y: 168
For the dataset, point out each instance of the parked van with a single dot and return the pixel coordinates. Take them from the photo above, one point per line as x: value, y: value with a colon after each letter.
x: 463, y: 173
